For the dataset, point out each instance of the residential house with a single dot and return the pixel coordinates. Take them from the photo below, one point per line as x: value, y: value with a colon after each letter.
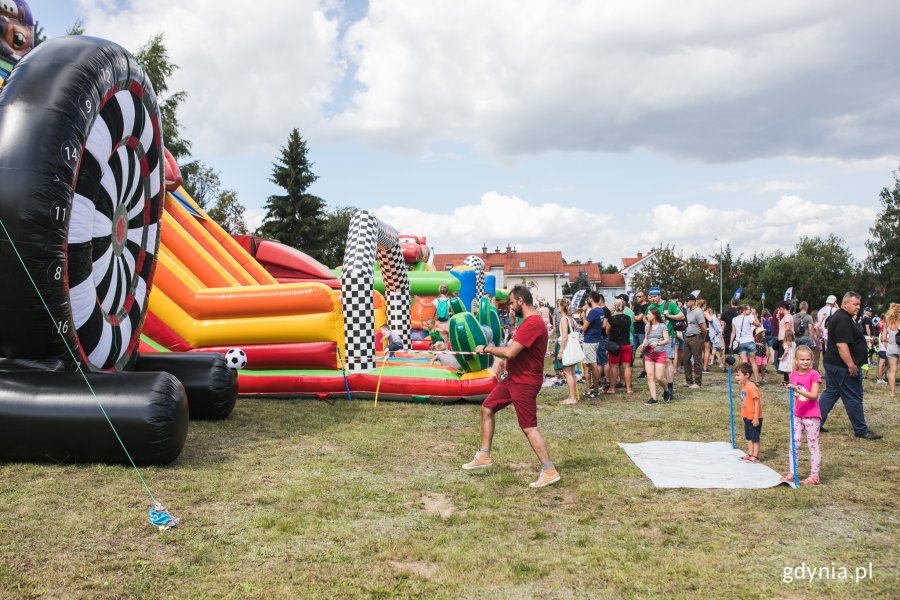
x: 608, y: 284
x: 631, y: 266
x: 543, y: 272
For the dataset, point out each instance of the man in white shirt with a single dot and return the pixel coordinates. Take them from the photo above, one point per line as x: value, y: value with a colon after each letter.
x: 826, y: 311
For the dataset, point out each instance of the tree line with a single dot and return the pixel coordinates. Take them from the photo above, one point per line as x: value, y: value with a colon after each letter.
x: 814, y: 269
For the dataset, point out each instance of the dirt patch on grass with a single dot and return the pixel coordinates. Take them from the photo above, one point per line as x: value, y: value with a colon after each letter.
x: 438, y: 505
x: 421, y: 569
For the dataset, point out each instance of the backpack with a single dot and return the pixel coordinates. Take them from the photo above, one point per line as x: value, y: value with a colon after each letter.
x: 443, y: 309
x: 677, y: 324
x: 798, y: 326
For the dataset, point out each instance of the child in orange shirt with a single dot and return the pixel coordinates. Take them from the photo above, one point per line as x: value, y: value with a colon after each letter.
x: 751, y: 411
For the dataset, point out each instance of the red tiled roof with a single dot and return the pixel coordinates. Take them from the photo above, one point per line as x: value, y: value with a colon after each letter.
x: 591, y: 269
x: 535, y: 262
x: 610, y: 280
x: 627, y: 262
x: 594, y: 275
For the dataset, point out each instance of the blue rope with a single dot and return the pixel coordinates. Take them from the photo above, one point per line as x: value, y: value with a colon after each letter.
x: 793, y: 447
x: 83, y: 376
x: 344, y: 373
x: 731, y: 407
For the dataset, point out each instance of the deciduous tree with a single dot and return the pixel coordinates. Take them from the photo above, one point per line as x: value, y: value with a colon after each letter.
x: 884, y: 243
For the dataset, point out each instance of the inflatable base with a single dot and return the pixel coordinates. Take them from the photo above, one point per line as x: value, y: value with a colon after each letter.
x: 210, y: 385
x: 403, y: 379
x: 54, y: 417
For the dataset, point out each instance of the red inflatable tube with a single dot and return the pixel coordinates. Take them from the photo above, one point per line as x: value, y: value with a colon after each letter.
x: 365, y: 384
x: 292, y: 384
x: 308, y: 355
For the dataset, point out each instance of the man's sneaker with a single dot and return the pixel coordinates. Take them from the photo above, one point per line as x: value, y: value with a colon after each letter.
x: 666, y: 394
x: 642, y: 375
x: 482, y: 460
x: 651, y: 401
x: 870, y: 435
x: 695, y: 386
x: 547, y: 477
x: 822, y: 430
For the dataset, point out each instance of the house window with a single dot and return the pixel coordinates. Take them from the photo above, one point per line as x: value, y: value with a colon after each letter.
x: 449, y: 266
x: 521, y: 264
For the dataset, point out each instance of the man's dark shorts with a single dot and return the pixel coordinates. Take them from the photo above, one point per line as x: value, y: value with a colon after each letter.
x: 751, y: 433
x: 523, y: 397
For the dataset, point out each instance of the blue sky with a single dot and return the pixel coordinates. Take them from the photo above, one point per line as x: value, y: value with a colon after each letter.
x: 598, y: 129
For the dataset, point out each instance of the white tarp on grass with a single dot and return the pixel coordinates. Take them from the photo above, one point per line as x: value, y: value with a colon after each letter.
x: 674, y: 464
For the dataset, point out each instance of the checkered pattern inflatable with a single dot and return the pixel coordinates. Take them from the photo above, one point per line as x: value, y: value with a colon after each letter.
x: 369, y: 238
x: 478, y: 266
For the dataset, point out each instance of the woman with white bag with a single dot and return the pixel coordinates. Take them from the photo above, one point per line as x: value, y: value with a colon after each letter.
x: 568, y: 350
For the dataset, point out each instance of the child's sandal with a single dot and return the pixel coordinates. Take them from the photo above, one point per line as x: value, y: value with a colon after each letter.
x: 746, y: 458
x: 754, y: 459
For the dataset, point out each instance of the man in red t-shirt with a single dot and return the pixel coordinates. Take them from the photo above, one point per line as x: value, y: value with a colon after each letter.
x: 525, y: 367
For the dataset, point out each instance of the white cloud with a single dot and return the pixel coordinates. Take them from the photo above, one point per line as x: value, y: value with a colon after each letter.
x: 498, y: 220
x: 253, y: 71
x: 695, y: 78
x: 778, y: 226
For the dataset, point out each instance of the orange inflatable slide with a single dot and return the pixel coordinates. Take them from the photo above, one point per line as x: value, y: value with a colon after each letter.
x: 210, y: 294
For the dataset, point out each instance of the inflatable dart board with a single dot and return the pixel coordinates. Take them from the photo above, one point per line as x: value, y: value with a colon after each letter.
x: 81, y: 195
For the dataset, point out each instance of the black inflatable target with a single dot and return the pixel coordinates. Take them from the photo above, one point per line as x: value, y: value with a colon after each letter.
x: 81, y: 195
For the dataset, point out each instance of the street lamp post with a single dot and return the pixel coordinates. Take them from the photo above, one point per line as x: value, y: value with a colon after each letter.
x: 721, y: 252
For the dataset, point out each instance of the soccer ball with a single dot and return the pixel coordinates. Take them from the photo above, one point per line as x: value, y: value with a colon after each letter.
x: 236, y: 359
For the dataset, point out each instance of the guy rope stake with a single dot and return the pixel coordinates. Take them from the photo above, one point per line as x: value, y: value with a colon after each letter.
x: 387, y: 355
x: 731, y: 407
x: 793, y: 447
x: 344, y: 373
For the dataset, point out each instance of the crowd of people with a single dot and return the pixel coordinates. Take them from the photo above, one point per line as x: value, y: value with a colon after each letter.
x: 668, y: 336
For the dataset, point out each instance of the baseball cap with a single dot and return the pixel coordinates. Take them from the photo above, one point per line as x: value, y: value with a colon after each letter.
x: 832, y: 299
x: 690, y: 297
x: 654, y: 291
x: 867, y: 309
x: 623, y: 297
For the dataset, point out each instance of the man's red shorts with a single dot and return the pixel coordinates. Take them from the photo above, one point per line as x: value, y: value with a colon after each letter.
x: 624, y: 356
x: 523, y: 397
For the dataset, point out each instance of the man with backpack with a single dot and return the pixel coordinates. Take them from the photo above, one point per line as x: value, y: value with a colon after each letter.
x: 823, y: 315
x: 803, y: 325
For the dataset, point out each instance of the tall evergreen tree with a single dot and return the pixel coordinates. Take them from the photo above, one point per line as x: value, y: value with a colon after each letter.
x: 295, y: 218
x: 884, y: 242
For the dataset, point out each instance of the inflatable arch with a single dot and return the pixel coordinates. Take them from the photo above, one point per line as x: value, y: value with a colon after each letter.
x: 367, y: 238
x: 478, y: 266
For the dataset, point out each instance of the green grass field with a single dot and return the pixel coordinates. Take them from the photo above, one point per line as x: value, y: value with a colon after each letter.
x: 296, y: 498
